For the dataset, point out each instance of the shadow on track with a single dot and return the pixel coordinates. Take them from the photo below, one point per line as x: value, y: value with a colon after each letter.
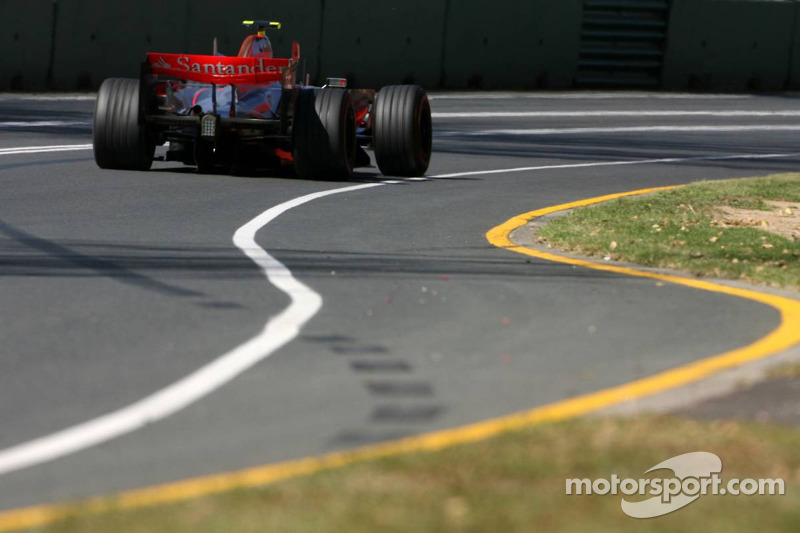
x: 139, y: 265
x: 54, y: 257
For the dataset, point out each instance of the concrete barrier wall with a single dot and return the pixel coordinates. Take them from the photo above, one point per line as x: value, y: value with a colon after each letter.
x: 25, y: 37
x: 97, y: 40
x: 729, y: 45
x: 794, y: 54
x: 383, y: 42
x: 452, y: 43
x: 713, y: 44
x: 512, y: 44
x: 301, y: 19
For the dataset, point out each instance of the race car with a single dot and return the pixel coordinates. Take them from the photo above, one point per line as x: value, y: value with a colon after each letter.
x: 223, y: 113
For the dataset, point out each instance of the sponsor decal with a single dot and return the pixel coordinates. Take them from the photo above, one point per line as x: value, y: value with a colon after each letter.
x: 161, y: 63
x: 693, y: 475
x: 185, y: 64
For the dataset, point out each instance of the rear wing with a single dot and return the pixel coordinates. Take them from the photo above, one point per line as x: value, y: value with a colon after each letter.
x: 219, y: 70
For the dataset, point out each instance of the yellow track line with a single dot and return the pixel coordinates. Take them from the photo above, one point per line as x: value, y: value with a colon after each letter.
x: 783, y: 337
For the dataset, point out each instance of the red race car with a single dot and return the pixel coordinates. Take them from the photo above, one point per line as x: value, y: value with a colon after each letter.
x: 228, y: 113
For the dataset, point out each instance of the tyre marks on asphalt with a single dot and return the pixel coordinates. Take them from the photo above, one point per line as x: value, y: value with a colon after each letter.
x: 396, y: 389
x: 363, y: 350
x: 402, y: 401
x: 391, y: 366
x: 400, y: 396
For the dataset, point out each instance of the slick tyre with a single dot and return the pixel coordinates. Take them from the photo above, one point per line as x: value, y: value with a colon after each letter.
x: 402, y: 130
x: 119, y: 135
x: 324, y: 134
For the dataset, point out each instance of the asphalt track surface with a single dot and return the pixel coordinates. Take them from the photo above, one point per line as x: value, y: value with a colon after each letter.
x: 116, y: 285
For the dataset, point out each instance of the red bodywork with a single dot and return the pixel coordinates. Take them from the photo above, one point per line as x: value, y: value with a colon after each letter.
x: 219, y: 70
x: 237, y: 90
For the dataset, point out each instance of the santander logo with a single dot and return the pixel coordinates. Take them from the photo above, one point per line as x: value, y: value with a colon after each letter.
x: 161, y: 63
x: 185, y: 64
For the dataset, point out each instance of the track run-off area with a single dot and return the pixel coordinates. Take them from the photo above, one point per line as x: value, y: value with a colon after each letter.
x: 164, y: 325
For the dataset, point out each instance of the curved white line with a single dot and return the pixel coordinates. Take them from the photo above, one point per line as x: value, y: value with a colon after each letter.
x: 278, y: 331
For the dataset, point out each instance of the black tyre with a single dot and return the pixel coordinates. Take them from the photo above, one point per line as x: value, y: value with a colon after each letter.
x: 402, y: 130
x: 119, y: 134
x: 324, y: 134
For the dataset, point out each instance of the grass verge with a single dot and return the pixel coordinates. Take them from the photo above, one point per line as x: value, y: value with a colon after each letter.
x: 785, y: 371
x: 515, y: 482
x: 694, y: 228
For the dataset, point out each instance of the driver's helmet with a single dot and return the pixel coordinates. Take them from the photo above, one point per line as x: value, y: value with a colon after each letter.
x: 256, y: 46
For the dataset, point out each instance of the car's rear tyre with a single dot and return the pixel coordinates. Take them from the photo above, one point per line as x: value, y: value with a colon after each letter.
x: 324, y: 134
x: 402, y: 130
x: 119, y: 133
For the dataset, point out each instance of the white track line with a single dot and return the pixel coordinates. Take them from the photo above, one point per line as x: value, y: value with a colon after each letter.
x: 43, y: 97
x: 278, y: 331
x: 632, y: 129
x: 615, y: 164
x: 43, y: 123
x: 44, y: 149
x: 574, y: 114
x: 585, y: 96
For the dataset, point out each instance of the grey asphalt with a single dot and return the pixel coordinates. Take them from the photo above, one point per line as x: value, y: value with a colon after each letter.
x: 115, y: 284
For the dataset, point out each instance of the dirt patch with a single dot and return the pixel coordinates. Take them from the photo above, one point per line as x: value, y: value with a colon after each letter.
x: 783, y: 219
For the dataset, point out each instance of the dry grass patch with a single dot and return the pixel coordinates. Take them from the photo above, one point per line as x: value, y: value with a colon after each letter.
x: 740, y: 229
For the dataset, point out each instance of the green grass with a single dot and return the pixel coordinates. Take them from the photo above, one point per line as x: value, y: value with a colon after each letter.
x: 679, y: 229
x: 785, y: 371
x: 515, y: 482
